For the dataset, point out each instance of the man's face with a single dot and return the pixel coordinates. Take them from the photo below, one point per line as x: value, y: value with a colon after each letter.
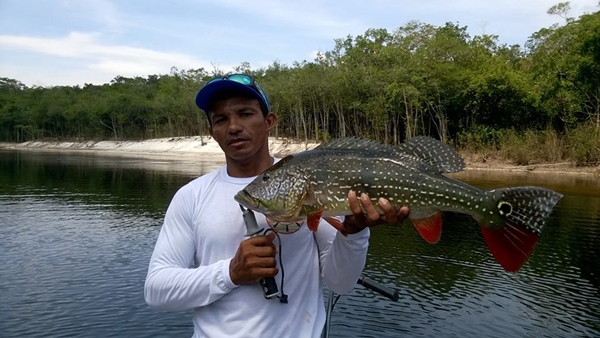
x: 240, y: 127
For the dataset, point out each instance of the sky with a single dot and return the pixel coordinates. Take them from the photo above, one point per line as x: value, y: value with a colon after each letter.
x: 73, y: 42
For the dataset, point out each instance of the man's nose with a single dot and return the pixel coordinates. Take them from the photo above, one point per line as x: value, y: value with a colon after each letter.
x: 235, y: 125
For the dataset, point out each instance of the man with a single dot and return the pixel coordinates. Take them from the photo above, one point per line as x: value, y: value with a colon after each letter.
x: 202, y: 259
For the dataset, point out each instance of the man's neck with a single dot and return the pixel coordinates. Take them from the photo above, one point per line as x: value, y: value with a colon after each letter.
x: 249, y: 167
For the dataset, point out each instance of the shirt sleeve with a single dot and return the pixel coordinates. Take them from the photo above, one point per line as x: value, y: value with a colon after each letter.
x: 172, y: 282
x: 342, y: 257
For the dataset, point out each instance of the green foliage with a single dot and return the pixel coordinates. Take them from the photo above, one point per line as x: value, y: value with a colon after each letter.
x: 580, y: 146
x: 419, y: 79
x: 583, y: 144
x: 480, y: 138
x: 531, y: 147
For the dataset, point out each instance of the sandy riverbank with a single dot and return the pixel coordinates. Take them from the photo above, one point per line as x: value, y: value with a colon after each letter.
x: 197, y: 146
x: 205, y: 147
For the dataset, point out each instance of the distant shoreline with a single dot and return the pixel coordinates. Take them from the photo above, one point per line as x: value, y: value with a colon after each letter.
x: 205, y: 148
x: 197, y: 147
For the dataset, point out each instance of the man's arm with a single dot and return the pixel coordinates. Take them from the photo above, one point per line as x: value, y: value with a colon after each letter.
x: 172, y: 283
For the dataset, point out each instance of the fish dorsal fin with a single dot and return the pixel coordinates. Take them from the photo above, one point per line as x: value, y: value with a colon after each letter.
x: 356, y: 143
x: 434, y: 154
x: 407, y: 156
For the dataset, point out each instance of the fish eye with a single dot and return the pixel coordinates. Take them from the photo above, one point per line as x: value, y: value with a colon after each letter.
x: 265, y: 177
x: 504, y: 208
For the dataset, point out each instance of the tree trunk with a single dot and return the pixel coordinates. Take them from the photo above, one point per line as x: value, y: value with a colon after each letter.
x: 341, y: 120
x: 113, y: 121
x: 408, y: 118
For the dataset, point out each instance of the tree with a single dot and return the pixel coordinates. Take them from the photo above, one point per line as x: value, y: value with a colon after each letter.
x: 561, y: 9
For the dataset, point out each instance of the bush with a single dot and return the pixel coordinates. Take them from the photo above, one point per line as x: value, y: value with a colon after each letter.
x: 533, y: 146
x: 583, y: 144
x: 480, y: 138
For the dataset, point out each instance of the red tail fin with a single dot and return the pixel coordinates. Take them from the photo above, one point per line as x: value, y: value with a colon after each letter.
x: 511, y: 245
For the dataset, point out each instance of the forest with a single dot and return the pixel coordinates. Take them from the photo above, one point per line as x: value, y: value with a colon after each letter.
x: 529, y: 104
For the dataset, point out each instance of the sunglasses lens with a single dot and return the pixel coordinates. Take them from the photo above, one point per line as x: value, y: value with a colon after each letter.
x: 243, y: 79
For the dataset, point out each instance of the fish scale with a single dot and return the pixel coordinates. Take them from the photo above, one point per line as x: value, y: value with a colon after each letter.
x: 315, y: 184
x: 382, y: 178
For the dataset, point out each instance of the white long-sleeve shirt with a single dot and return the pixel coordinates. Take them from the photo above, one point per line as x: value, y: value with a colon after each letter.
x: 189, y: 268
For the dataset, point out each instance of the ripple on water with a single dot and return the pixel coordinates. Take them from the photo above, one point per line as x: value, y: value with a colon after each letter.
x: 74, y: 264
x: 462, y: 291
x: 70, y: 269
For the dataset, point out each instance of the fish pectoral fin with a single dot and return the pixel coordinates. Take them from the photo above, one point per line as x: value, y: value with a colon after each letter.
x: 313, y: 220
x: 429, y: 225
x: 510, y: 245
x: 336, y: 223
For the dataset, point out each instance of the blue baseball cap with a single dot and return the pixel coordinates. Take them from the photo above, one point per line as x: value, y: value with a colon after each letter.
x: 239, y: 82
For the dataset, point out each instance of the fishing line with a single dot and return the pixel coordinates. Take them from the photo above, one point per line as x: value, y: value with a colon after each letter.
x: 335, y: 301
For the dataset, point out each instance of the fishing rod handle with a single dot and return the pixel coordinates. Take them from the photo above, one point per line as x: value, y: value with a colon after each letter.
x: 379, y: 288
x: 268, y: 284
x: 269, y: 287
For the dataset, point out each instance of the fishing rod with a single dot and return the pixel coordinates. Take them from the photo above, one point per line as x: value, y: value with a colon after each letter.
x: 367, y: 283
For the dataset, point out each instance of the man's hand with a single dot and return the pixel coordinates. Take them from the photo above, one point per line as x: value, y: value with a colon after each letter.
x: 359, y: 220
x: 254, y: 260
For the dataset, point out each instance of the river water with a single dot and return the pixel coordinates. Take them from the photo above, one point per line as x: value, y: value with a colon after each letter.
x: 77, y: 231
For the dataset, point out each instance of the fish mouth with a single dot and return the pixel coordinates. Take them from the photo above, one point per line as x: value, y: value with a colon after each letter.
x: 245, y: 199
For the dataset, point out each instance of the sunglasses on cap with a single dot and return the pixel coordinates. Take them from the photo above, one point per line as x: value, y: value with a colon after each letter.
x: 247, y: 81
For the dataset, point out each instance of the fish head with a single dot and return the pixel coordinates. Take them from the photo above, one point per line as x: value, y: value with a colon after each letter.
x: 278, y: 192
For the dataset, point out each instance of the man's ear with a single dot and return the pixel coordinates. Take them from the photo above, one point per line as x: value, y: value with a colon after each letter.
x: 270, y: 120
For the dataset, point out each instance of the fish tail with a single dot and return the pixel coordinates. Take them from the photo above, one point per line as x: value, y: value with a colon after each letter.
x: 523, y: 211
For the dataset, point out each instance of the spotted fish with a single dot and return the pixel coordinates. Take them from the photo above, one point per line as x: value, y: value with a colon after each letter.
x: 314, y: 184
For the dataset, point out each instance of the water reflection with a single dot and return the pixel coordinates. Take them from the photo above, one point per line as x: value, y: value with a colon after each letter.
x: 455, y: 288
x: 76, y: 233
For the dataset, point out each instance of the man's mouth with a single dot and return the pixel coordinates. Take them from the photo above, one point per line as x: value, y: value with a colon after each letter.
x: 237, y: 142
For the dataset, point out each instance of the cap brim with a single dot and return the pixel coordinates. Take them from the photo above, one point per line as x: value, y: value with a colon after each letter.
x: 206, y: 94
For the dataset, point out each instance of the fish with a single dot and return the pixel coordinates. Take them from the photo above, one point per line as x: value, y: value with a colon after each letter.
x: 314, y: 184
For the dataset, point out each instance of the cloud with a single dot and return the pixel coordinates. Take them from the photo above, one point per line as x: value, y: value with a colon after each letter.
x: 51, y: 75
x: 102, y: 11
x: 105, y: 11
x: 86, y: 51
x: 309, y: 15
x: 512, y: 20
x: 54, y: 42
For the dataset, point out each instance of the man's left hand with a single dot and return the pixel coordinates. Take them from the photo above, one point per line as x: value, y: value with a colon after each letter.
x: 370, y: 217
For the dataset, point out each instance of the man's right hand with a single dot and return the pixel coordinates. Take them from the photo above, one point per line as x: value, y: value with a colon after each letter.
x: 254, y: 260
